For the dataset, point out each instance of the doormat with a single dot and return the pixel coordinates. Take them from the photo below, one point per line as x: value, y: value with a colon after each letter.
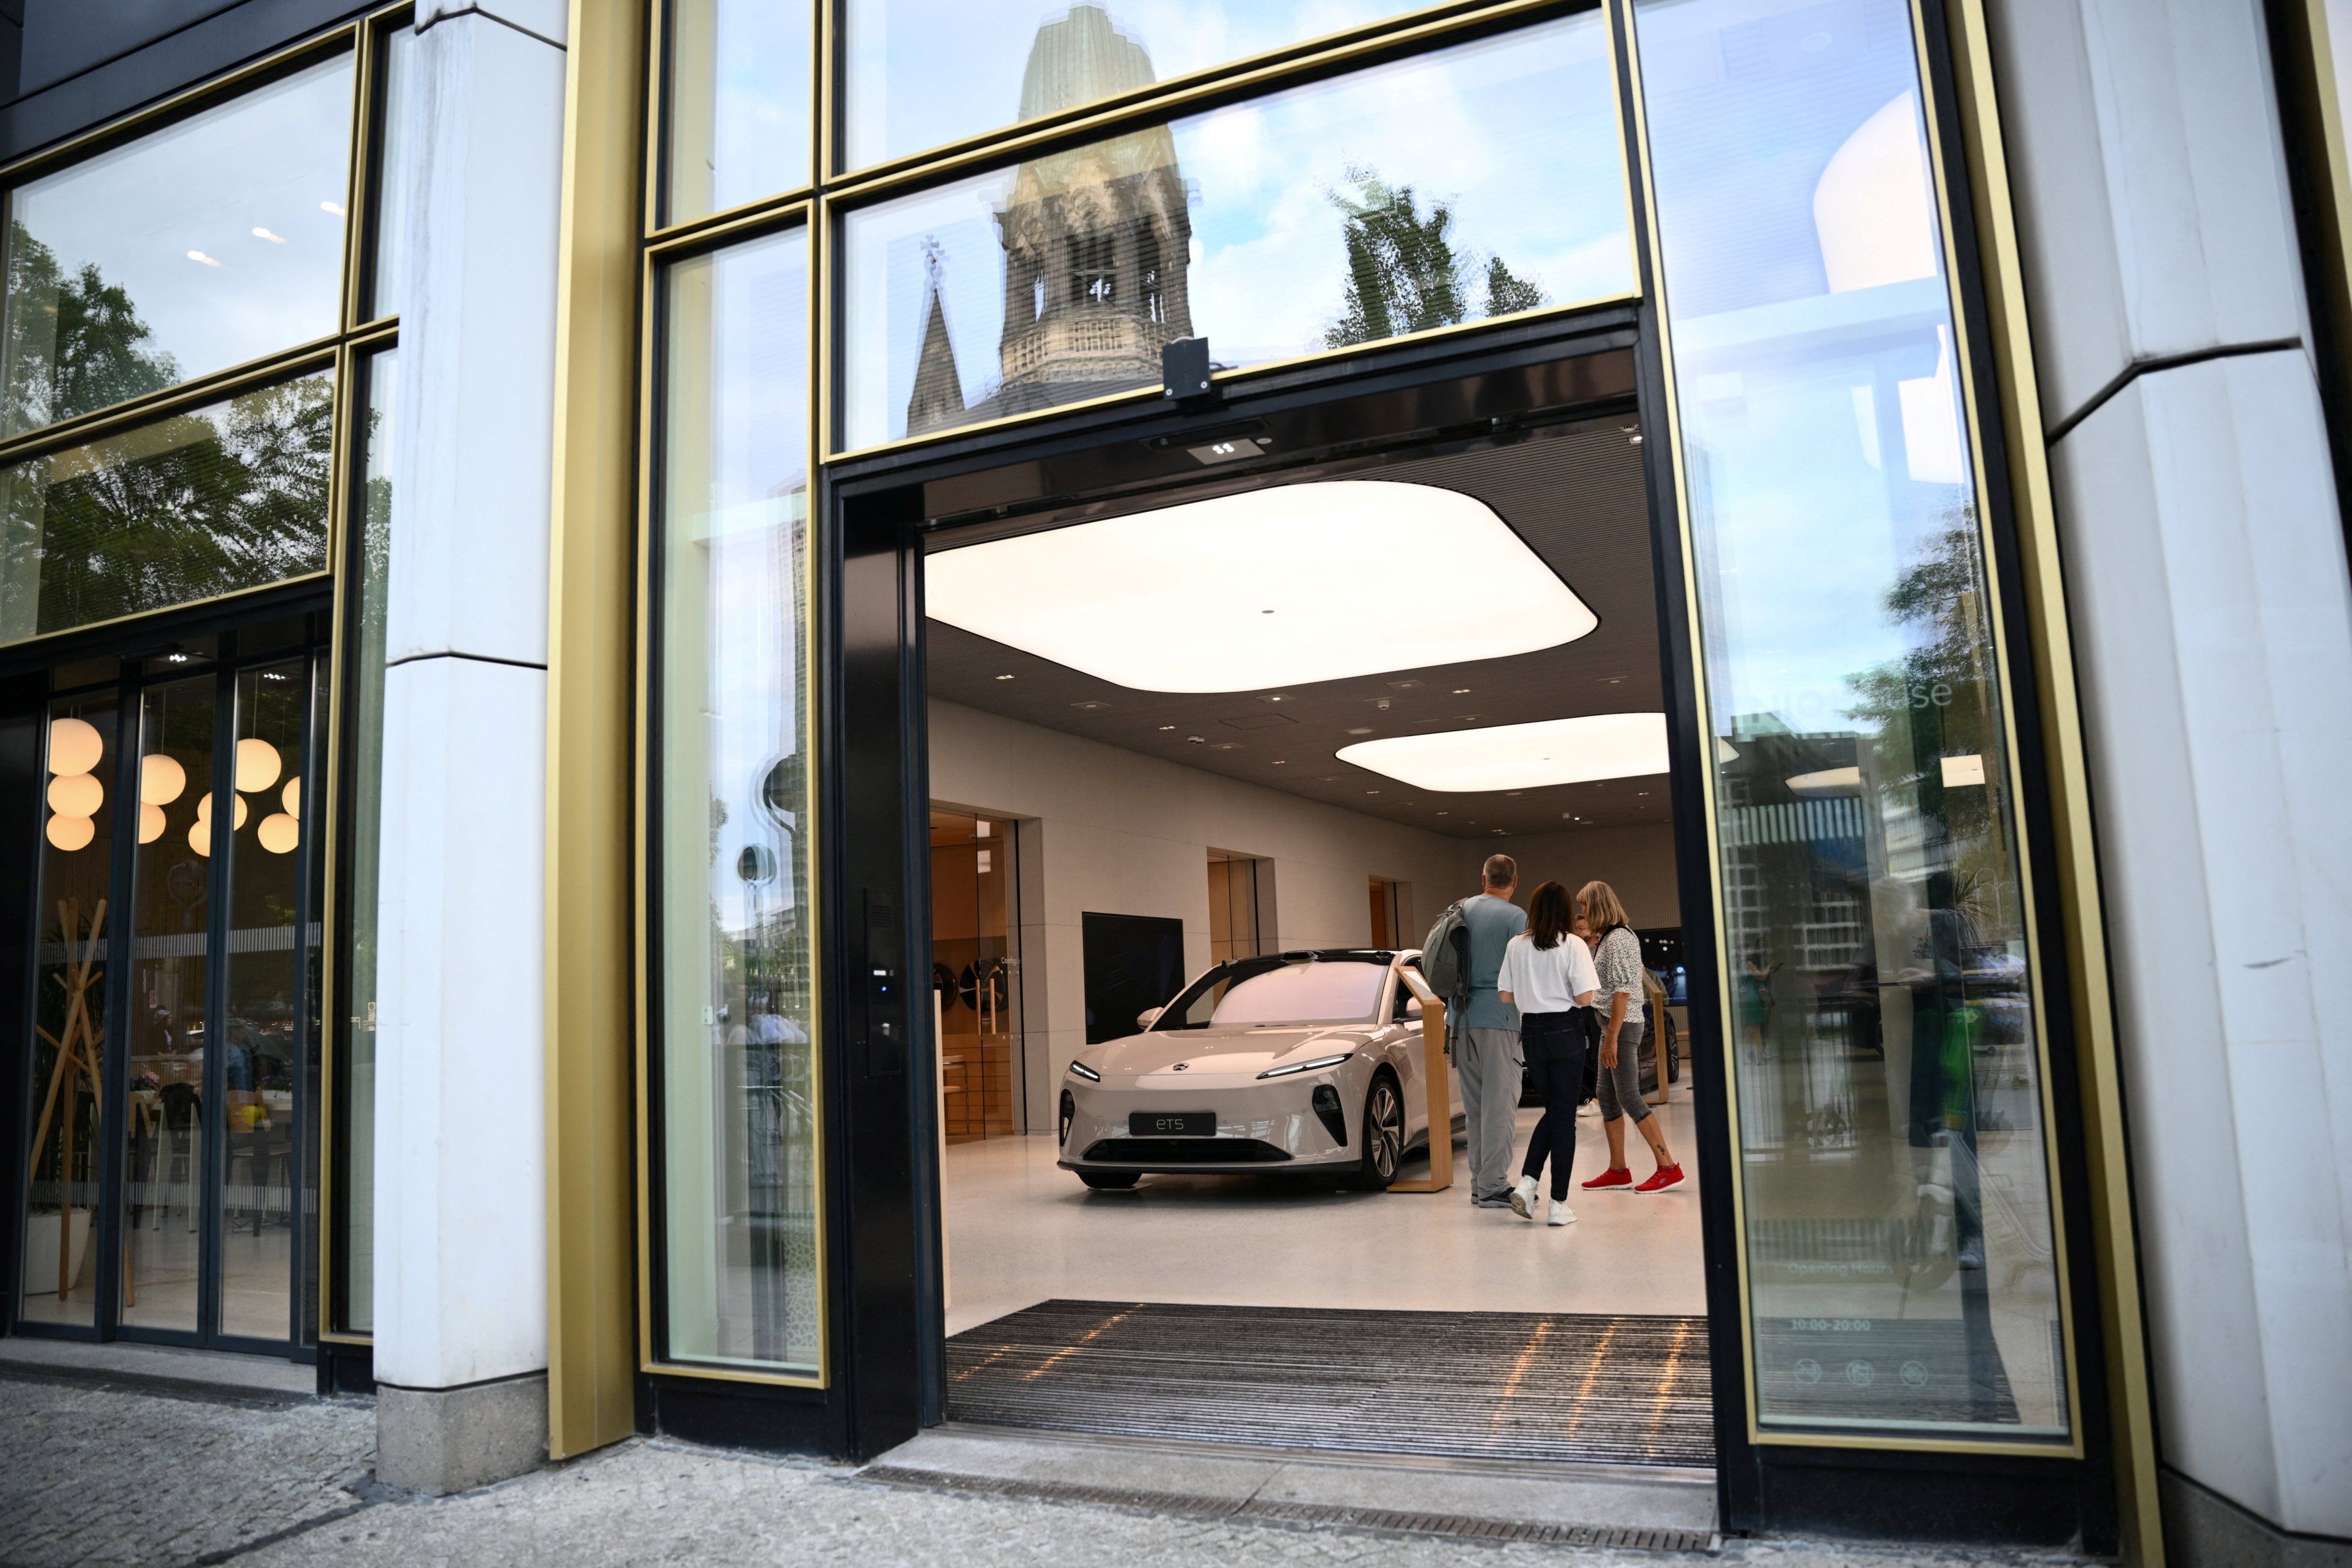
x: 1589, y: 1388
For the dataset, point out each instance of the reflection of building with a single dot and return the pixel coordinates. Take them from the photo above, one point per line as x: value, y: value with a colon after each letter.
x: 1096, y: 240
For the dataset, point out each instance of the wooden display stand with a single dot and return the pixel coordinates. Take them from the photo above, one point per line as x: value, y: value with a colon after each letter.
x: 1437, y: 1084
x: 78, y: 1058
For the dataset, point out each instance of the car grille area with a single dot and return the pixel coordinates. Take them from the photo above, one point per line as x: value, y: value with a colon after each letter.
x: 1183, y: 1151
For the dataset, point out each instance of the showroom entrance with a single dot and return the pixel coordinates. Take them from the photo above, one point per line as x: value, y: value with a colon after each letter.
x: 168, y: 1192
x: 1273, y: 687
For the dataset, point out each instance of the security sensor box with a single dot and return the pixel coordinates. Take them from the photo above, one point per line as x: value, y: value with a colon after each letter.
x: 1184, y: 372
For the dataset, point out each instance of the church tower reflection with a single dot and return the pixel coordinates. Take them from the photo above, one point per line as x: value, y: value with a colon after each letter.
x: 1096, y: 242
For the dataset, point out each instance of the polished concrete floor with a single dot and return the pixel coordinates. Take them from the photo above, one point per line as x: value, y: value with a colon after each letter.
x: 1021, y: 1231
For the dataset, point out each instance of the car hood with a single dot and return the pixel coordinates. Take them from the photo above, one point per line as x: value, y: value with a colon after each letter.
x: 1225, y: 1051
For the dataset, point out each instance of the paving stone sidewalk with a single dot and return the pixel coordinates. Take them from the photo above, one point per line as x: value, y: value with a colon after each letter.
x: 101, y: 1476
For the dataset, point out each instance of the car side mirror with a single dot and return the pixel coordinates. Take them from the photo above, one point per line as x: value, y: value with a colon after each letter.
x: 1412, y: 1007
x: 1143, y: 1020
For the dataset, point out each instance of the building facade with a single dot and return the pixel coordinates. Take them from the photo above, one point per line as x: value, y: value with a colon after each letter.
x: 533, y: 465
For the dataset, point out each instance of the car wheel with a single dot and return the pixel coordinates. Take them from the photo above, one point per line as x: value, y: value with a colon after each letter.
x: 1111, y: 1180
x: 1383, y: 1137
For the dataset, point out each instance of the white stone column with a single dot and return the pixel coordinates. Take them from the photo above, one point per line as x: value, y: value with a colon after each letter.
x: 2208, y: 590
x: 461, y: 1238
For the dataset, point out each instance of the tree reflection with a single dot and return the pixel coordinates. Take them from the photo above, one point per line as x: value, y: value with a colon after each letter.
x: 74, y: 342
x: 195, y: 505
x: 1404, y: 272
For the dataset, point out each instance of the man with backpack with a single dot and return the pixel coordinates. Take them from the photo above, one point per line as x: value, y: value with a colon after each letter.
x: 1467, y: 949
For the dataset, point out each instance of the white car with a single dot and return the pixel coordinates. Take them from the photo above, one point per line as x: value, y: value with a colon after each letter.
x: 1293, y: 1061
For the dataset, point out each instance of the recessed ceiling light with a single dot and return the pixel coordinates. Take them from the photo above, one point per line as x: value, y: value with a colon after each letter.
x: 1371, y: 792
x: 1165, y: 728
x: 1281, y: 761
x: 1226, y: 746
x: 1829, y: 781
x: 1198, y: 740
x: 1523, y: 756
x: 1004, y: 678
x: 1360, y: 731
x: 1514, y: 792
x: 1461, y: 692
x: 1090, y: 704
x: 1444, y: 814
x: 1147, y: 601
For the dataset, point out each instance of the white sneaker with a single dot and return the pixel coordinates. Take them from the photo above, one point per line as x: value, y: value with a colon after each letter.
x: 1523, y: 1198
x: 1560, y: 1214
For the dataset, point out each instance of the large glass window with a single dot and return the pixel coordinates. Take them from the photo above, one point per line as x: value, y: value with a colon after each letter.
x: 70, y: 1015
x: 735, y: 1079
x: 1903, y: 1266
x: 739, y: 103
x: 1479, y: 181
x: 353, y: 1289
x: 922, y: 73
x: 212, y: 242
x: 388, y: 275
x: 227, y: 496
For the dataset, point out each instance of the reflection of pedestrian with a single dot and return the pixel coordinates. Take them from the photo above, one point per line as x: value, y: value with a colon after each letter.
x: 1548, y: 976
x: 1755, y: 972
x: 1488, y: 1050
x: 1944, y: 1030
x: 1619, y: 961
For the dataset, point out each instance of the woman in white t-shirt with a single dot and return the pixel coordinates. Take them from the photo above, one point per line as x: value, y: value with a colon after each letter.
x: 1548, y: 974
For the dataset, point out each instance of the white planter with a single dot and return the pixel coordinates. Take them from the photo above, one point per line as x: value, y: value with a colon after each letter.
x: 41, y: 1253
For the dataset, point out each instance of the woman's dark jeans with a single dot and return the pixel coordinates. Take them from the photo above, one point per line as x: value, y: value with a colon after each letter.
x: 1554, y: 1044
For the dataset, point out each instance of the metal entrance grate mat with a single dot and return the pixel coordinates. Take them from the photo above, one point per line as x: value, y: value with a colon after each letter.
x: 1303, y: 1515
x: 1580, y: 1387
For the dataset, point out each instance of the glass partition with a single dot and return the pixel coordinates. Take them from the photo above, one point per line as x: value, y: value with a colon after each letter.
x: 922, y: 73
x: 263, y: 1023
x: 68, y: 1058
x: 352, y: 1291
x: 1475, y: 181
x: 738, y: 102
x: 735, y: 1074
x: 1904, y: 1268
x: 388, y: 275
x: 165, y: 1182
x: 227, y: 496
x: 214, y: 241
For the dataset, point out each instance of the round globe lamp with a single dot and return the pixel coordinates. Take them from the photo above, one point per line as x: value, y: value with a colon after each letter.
x: 200, y: 836
x: 161, y: 779
x: 75, y: 794
x: 292, y: 795
x: 279, y: 832
x: 71, y: 832
x: 258, y: 764
x: 75, y: 745
x: 151, y: 824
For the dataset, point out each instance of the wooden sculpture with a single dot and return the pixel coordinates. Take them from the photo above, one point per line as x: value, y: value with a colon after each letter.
x: 78, y: 1049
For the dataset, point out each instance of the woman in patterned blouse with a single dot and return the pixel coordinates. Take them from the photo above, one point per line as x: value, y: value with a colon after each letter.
x: 1619, y: 961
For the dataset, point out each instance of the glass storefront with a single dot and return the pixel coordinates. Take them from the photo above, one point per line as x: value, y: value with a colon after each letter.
x: 1887, y: 1051
x: 1895, y: 1149
x: 176, y: 1178
x: 737, y: 1073
x: 1476, y: 181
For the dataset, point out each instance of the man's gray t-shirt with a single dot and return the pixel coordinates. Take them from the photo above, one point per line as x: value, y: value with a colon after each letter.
x: 1492, y: 923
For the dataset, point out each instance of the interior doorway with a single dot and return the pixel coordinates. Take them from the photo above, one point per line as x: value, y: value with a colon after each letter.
x: 1271, y: 726
x: 170, y: 1176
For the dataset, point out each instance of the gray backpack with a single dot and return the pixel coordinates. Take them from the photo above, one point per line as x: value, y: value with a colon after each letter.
x: 1445, y: 956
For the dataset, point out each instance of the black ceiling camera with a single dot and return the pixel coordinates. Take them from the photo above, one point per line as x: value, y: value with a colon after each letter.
x: 1184, y: 378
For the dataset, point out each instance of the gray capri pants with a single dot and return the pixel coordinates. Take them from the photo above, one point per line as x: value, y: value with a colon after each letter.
x: 1620, y: 1086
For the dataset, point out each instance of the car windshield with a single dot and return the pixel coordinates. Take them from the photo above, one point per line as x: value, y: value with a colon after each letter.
x: 1259, y: 991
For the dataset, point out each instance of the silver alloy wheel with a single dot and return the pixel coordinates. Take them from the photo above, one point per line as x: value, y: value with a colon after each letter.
x: 1383, y: 1131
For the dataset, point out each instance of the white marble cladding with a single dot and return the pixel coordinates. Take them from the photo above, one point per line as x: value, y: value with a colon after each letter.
x: 460, y: 1126
x: 461, y: 1201
x: 2208, y: 589
x: 2153, y: 201
x: 474, y: 410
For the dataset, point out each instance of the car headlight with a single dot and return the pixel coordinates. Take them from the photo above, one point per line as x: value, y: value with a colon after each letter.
x: 1315, y: 1064
x: 1080, y: 1069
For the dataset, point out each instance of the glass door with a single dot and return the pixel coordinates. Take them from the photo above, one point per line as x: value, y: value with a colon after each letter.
x: 178, y: 979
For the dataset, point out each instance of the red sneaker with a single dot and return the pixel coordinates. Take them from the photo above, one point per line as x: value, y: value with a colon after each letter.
x: 1617, y: 1177
x: 1662, y: 1178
